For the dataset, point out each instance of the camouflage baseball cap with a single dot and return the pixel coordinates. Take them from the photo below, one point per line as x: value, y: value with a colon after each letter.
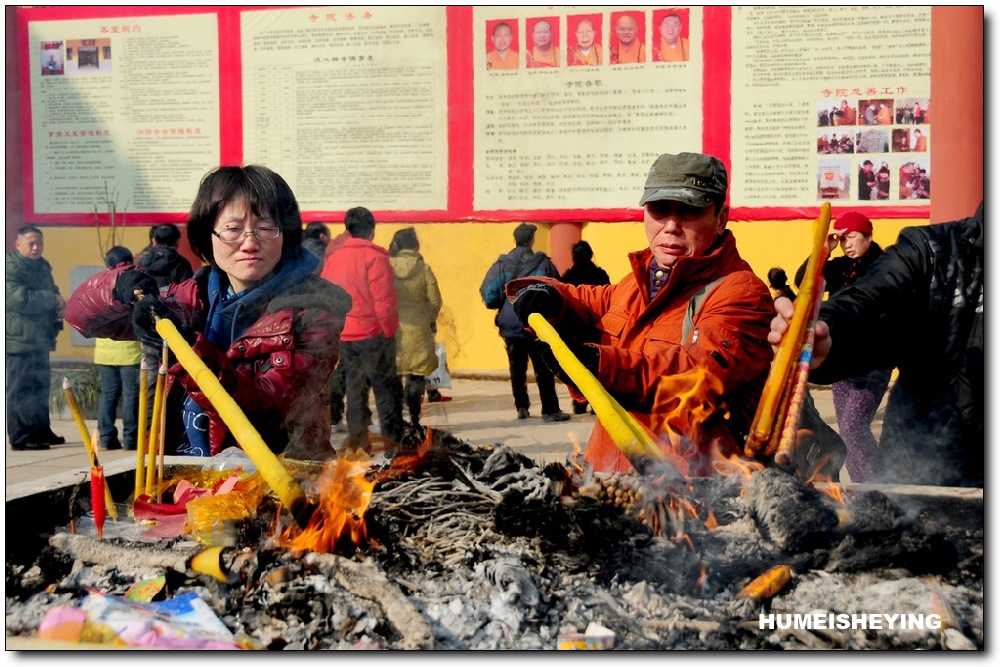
x: 692, y: 178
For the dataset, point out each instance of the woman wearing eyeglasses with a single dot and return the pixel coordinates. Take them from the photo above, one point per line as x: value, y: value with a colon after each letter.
x: 256, y: 314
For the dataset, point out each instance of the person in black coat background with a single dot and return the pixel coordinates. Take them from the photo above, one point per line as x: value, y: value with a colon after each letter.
x: 919, y: 308
x: 584, y: 272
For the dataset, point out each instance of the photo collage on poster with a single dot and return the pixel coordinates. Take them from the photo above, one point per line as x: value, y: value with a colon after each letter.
x: 76, y: 57
x: 874, y: 149
x: 588, y: 39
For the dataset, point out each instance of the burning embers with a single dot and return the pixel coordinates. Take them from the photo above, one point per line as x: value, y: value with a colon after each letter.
x: 478, y: 548
x: 456, y: 547
x: 344, y: 493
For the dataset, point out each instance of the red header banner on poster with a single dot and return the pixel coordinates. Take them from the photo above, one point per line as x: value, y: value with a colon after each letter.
x: 428, y: 114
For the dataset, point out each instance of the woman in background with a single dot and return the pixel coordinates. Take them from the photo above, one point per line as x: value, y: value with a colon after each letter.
x: 419, y: 302
x: 117, y: 364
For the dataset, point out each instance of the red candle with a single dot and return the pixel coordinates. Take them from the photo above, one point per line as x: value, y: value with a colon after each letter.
x: 97, y: 498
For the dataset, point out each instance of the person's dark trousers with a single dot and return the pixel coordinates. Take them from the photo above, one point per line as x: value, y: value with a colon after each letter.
x: 338, y: 391
x: 372, y: 361
x: 519, y: 350
x: 28, y: 379
x: 118, y: 382
x: 413, y: 389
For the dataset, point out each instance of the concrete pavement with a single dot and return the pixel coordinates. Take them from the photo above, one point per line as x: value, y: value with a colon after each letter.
x: 481, y: 411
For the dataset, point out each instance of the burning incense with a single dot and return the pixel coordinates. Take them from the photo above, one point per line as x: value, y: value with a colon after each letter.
x: 772, y: 411
x: 800, y: 378
x: 769, y: 584
x: 632, y: 439
x: 270, y: 466
x: 88, y: 444
x: 140, y: 449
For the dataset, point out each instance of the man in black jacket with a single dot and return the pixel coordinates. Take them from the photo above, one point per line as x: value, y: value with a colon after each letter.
x: 920, y: 309
x: 521, y: 345
x: 161, y: 260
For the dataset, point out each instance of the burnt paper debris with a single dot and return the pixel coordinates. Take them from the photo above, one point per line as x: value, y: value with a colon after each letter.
x: 478, y: 548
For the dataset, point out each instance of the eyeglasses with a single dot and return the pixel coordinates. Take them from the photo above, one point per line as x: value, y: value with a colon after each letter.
x: 234, y: 236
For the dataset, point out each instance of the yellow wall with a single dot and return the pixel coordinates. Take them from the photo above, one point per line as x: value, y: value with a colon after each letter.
x: 460, y: 253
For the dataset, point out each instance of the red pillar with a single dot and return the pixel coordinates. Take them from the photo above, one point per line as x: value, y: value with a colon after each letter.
x: 956, y: 111
x: 561, y: 239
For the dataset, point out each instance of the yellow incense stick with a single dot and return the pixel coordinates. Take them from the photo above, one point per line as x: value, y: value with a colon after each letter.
x: 762, y: 430
x: 88, y: 444
x: 140, y: 447
x: 271, y: 468
x: 161, y: 434
x: 154, y: 430
x: 629, y: 435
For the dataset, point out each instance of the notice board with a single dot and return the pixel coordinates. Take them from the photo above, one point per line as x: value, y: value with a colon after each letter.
x: 475, y: 113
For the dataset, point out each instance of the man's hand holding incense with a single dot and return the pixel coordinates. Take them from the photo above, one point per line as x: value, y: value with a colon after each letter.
x: 779, y: 326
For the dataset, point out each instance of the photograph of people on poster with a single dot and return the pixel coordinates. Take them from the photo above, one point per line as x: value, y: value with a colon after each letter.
x: 918, y: 139
x: 826, y: 113
x: 900, y: 140
x: 628, y: 38
x: 542, y: 35
x: 913, y: 111
x: 501, y: 45
x: 52, y: 58
x: 915, y: 179
x: 876, y: 111
x: 584, y: 37
x: 834, y: 142
x: 671, y: 35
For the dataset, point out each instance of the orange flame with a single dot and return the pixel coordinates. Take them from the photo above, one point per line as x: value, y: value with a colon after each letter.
x: 682, y: 405
x: 825, y: 484
x: 345, y: 492
x: 577, y: 455
x: 711, y: 522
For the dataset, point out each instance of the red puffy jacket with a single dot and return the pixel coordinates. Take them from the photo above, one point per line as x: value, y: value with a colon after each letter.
x: 362, y: 269
x: 277, y: 371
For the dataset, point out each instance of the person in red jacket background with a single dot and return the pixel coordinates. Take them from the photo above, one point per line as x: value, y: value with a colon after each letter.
x: 367, y: 344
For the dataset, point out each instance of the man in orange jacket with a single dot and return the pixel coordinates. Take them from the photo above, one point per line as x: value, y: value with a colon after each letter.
x: 690, y: 302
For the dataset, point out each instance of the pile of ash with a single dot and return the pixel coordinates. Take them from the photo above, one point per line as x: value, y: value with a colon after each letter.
x: 479, y: 548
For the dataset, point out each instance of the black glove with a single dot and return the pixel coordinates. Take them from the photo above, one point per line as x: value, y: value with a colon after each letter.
x: 131, y: 280
x: 588, y: 355
x: 537, y: 298
x: 144, y: 322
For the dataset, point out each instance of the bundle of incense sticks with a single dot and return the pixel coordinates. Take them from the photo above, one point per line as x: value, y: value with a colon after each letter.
x: 775, y: 424
x: 154, y: 441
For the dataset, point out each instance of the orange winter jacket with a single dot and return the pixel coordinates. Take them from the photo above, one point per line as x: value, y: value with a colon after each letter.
x: 640, y: 342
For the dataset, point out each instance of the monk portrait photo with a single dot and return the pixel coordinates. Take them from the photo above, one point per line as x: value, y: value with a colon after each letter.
x: 671, y: 43
x: 542, y: 49
x: 628, y: 38
x: 501, y: 47
x: 584, y: 39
